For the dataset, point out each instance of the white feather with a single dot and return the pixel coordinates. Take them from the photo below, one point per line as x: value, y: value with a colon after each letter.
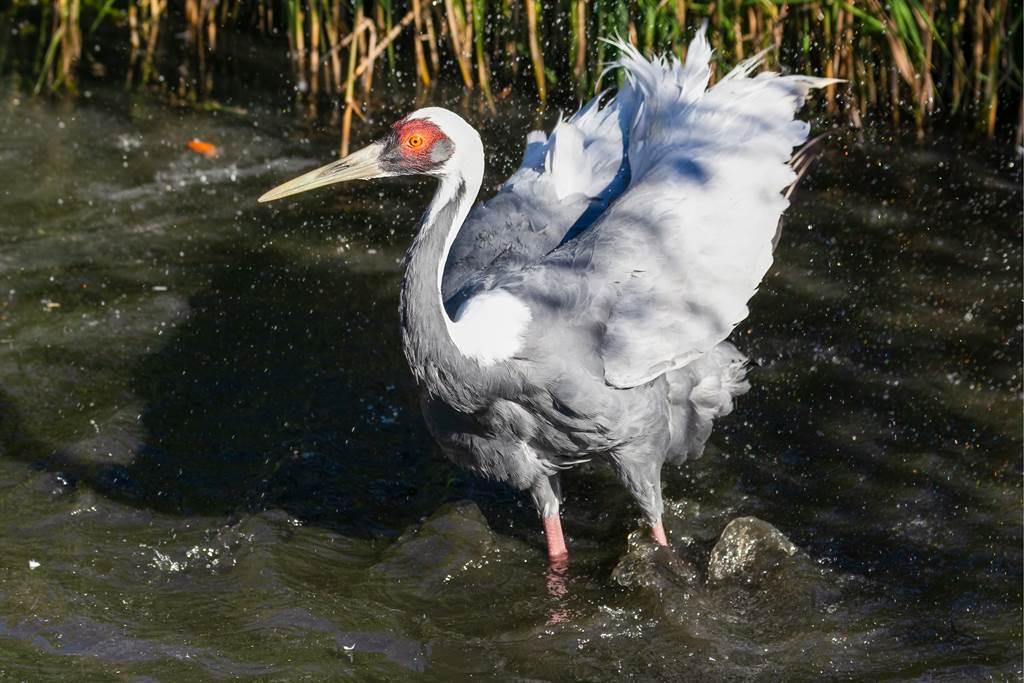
x: 490, y: 326
x: 691, y: 238
x: 582, y: 155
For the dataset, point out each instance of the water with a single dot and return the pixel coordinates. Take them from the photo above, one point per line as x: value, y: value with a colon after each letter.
x: 212, y: 463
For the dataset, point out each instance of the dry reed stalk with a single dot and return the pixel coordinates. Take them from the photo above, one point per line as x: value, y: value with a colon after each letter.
x: 990, y: 104
x: 753, y: 27
x: 64, y: 49
x: 195, y: 36
x: 680, y: 9
x: 926, y: 88
x: 389, y: 18
x: 868, y: 78
x: 297, y: 42
x: 579, y: 68
x: 350, y: 80
x: 157, y: 8
x: 226, y: 13
x: 855, y: 88
x: 959, y: 66
x: 331, y: 29
x: 184, y: 72
x: 894, y: 93
x: 368, y: 61
x: 737, y: 33
x: 456, y: 31
x: 858, y: 106
x: 428, y: 23
x: 347, y: 39
x: 477, y: 8
x: 979, y: 49
x: 134, y: 41
x: 210, y: 18
x: 778, y: 23
x: 417, y: 42
x: 381, y: 23
x: 955, y: 53
x: 536, y: 57
x: 56, y: 36
x: 71, y: 43
x: 370, y: 48
x: 901, y: 61
x: 465, y: 10
x: 314, y: 58
x: 831, y: 68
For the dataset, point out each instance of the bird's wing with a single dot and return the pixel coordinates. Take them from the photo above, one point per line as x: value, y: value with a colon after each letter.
x: 679, y: 253
x: 565, y: 181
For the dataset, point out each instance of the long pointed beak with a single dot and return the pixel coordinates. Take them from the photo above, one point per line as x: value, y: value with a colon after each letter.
x: 363, y: 164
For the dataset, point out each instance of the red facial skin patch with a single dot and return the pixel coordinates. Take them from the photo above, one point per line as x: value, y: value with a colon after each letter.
x: 416, y: 137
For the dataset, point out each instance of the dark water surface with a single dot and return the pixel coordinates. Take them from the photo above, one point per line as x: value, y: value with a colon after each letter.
x: 212, y: 463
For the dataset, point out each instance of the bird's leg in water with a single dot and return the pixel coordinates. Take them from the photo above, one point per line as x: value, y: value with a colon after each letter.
x: 547, y: 496
x: 557, y: 552
x: 658, y: 533
x: 640, y: 470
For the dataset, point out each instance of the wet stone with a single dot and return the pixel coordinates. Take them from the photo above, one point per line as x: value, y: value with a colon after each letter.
x: 454, y: 536
x: 748, y: 549
x: 648, y: 565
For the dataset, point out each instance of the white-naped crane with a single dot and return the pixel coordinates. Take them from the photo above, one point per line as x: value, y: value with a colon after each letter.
x: 583, y: 311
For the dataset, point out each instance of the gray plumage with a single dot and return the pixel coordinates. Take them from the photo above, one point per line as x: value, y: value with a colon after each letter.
x: 582, y: 313
x: 555, y: 397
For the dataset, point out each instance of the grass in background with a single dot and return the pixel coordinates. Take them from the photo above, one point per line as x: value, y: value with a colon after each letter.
x: 902, y: 58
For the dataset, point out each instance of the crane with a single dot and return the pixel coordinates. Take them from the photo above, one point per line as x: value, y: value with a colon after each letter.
x: 583, y: 312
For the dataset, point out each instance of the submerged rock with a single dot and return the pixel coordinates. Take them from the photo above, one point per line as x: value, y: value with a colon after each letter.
x: 748, y: 549
x: 426, y: 557
x: 453, y: 563
x: 759, y: 587
x: 649, y: 565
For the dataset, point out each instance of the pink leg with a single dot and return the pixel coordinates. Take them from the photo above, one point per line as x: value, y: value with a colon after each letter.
x: 658, y: 532
x: 557, y: 552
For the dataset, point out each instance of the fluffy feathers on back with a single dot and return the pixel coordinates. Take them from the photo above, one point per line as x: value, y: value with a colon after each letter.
x: 687, y: 243
x: 670, y: 195
x: 566, y: 179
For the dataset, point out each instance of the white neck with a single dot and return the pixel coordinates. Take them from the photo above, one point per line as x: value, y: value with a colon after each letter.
x: 489, y: 326
x: 449, y: 186
x: 430, y: 334
x: 465, y: 171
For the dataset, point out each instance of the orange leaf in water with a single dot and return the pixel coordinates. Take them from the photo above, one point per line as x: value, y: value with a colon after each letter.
x: 207, y: 149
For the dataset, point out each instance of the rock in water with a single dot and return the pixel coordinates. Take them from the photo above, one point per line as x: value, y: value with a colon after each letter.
x: 748, y: 549
x: 453, y: 563
x: 455, y: 535
x: 648, y: 565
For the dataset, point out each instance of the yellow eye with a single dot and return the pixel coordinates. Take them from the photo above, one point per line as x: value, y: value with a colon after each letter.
x: 415, y: 140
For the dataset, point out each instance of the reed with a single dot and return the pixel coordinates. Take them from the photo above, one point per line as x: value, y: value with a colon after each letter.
x: 64, y: 49
x: 907, y: 60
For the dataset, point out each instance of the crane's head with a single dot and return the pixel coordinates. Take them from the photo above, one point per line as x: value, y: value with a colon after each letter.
x: 426, y: 142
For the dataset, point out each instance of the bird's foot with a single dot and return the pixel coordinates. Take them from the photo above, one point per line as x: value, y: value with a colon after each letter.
x: 558, y: 554
x: 658, y: 534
